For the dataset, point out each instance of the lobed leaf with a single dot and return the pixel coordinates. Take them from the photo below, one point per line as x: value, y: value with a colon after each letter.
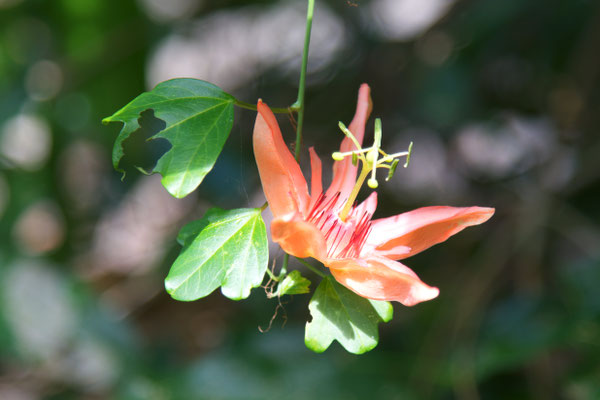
x: 226, y: 248
x: 342, y: 315
x: 293, y: 283
x: 198, y: 117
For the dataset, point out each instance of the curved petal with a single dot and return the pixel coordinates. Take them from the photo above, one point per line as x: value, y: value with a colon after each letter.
x: 316, y: 183
x: 281, y: 177
x: 298, y: 237
x: 344, y: 173
x: 369, y: 205
x: 379, y: 278
x: 420, y: 229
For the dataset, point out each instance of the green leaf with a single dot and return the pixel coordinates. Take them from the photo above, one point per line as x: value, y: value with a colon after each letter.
x: 198, y: 117
x: 191, y: 230
x: 340, y: 314
x: 293, y: 283
x: 226, y: 248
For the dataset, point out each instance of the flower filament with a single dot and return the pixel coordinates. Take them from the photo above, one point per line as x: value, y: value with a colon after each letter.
x: 370, y: 159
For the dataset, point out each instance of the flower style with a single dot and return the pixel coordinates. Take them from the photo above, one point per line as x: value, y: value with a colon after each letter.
x: 361, y: 253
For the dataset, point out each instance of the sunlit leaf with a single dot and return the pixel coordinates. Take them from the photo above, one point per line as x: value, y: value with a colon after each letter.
x: 339, y: 314
x: 293, y: 283
x: 198, y: 117
x: 226, y: 248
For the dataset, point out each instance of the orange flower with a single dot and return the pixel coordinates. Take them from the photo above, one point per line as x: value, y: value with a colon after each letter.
x: 361, y: 253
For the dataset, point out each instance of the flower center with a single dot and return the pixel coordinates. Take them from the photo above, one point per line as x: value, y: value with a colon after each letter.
x: 344, y: 238
x: 370, y: 161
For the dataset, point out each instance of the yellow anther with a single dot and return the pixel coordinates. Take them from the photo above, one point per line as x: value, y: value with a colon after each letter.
x: 372, y: 183
x: 408, y: 155
x: 337, y: 156
x: 392, y: 169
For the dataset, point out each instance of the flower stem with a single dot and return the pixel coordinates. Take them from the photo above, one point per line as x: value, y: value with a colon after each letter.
x: 313, y: 269
x: 299, y: 104
x: 284, y: 265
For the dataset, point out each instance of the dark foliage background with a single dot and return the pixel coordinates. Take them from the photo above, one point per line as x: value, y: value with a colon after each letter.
x: 500, y: 97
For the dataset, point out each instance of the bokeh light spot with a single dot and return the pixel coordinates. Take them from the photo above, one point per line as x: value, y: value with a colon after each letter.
x: 40, y: 228
x: 43, y: 80
x: 405, y: 19
x: 25, y: 141
x: 37, y: 308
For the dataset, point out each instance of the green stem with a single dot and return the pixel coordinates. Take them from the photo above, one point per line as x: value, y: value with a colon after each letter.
x: 249, y: 106
x: 313, y: 269
x: 275, y: 278
x: 299, y: 104
x: 283, y: 271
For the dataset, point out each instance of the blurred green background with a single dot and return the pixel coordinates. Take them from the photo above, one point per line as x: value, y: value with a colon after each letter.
x: 502, y: 100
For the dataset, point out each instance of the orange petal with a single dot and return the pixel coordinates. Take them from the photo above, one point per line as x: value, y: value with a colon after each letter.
x: 316, y: 184
x: 344, y: 173
x: 282, y: 180
x: 298, y: 237
x: 407, y: 234
x: 379, y: 278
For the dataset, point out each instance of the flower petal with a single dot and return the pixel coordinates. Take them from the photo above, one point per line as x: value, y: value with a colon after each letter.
x: 298, y: 237
x: 379, y: 278
x: 369, y: 205
x: 316, y: 183
x: 344, y: 173
x: 407, y: 234
x: 281, y: 177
